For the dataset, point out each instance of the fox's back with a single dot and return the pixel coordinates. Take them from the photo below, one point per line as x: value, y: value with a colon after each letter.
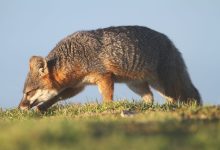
x: 132, y: 49
x: 126, y: 51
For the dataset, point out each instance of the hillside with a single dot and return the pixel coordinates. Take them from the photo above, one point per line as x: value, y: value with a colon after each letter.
x: 120, y: 125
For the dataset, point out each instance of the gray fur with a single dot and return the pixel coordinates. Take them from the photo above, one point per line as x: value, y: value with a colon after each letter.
x: 132, y: 49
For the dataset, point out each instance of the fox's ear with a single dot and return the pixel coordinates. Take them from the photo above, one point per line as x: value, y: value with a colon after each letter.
x: 38, y: 64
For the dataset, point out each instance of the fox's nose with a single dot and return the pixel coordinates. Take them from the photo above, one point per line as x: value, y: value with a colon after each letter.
x: 24, y: 105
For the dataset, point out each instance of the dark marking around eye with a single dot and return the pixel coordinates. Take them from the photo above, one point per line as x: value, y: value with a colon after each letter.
x: 31, y: 93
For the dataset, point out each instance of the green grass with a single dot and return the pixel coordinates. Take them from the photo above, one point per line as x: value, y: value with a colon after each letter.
x: 101, y: 126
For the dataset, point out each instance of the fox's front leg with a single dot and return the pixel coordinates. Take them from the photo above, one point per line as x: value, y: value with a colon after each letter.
x: 67, y: 93
x: 106, y: 87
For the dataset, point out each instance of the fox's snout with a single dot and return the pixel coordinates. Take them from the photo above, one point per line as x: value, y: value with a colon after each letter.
x: 39, y: 96
x: 24, y: 104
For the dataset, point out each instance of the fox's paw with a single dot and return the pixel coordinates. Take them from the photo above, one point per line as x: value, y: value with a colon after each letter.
x: 148, y: 99
x: 41, y: 108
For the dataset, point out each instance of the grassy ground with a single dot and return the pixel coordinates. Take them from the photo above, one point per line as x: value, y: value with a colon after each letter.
x: 105, y: 126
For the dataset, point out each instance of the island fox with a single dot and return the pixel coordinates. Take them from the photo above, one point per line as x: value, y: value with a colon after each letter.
x: 135, y: 55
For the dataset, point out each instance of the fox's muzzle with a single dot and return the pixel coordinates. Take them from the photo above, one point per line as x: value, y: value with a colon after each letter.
x: 24, y: 104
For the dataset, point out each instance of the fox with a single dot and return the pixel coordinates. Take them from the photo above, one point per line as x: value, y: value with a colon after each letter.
x: 138, y: 56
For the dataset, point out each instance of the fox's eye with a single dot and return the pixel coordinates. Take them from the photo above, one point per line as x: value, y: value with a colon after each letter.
x: 29, y: 93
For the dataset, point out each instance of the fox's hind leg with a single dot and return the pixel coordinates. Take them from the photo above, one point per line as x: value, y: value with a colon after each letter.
x: 142, y: 89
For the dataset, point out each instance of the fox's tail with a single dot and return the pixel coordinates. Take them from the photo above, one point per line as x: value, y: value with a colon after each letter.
x: 175, y: 79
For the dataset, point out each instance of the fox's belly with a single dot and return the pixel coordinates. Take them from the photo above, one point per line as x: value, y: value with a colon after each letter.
x: 124, y: 75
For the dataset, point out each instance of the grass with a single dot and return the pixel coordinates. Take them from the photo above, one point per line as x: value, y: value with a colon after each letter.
x: 102, y: 126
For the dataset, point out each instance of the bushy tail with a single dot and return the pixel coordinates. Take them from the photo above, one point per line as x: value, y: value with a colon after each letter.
x: 187, y: 92
x: 175, y: 79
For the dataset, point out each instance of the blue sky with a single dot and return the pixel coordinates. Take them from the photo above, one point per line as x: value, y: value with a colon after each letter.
x: 34, y: 27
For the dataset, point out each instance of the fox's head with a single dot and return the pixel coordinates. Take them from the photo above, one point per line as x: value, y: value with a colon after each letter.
x: 38, y: 86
